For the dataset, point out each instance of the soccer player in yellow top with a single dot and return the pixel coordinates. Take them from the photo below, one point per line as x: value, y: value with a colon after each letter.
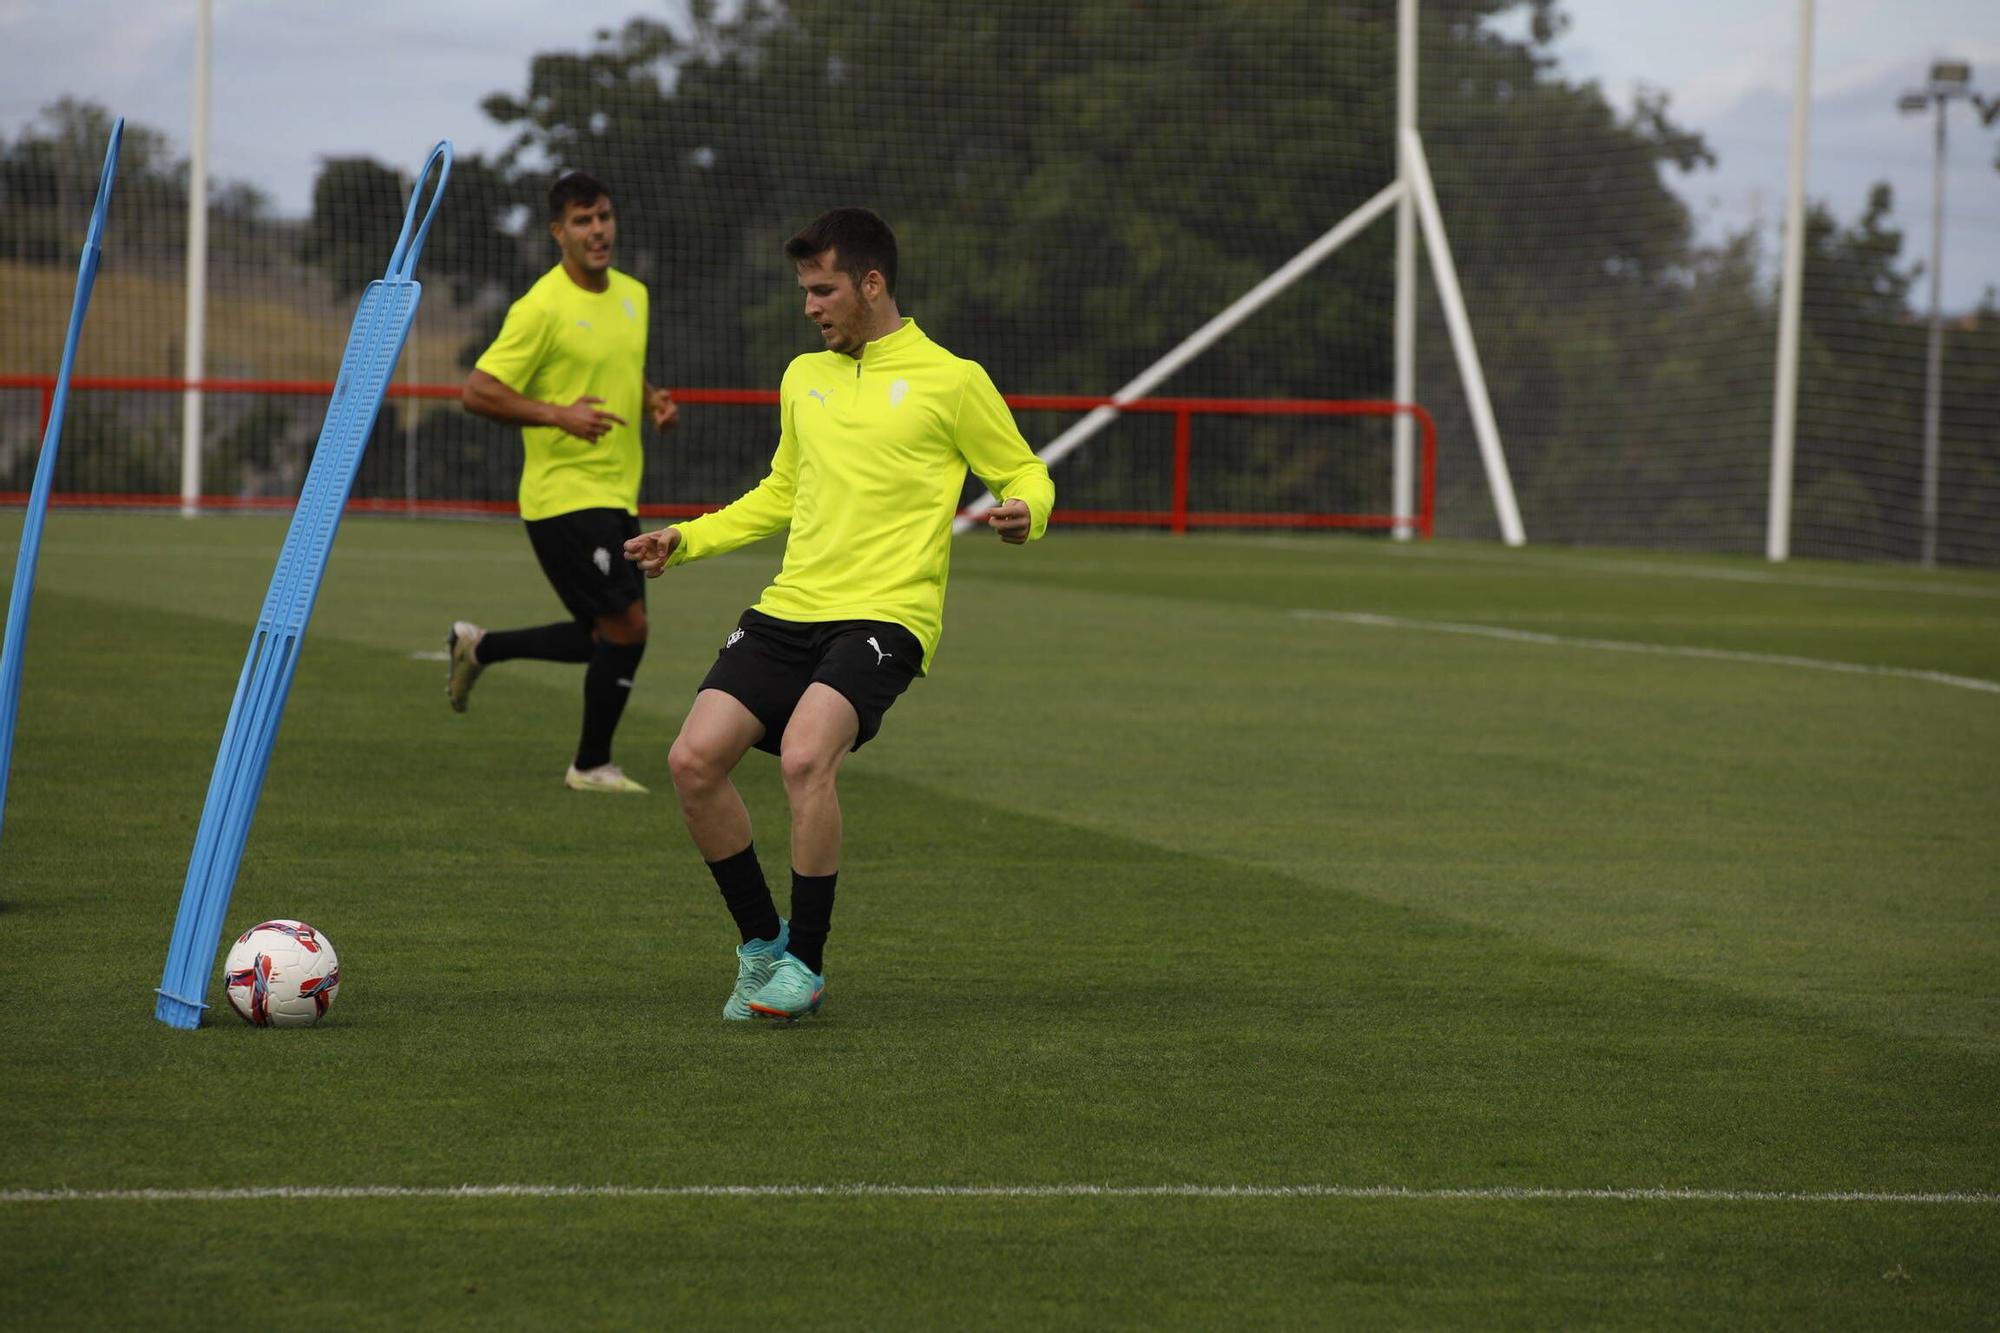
x: 876, y: 435
x: 569, y: 367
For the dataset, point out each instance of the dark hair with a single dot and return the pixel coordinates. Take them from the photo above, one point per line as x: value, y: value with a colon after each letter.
x: 574, y: 187
x: 859, y: 241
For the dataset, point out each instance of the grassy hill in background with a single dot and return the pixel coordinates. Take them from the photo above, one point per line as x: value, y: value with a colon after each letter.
x: 276, y: 326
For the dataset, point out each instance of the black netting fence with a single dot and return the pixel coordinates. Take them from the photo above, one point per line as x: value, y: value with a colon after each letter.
x: 1076, y: 186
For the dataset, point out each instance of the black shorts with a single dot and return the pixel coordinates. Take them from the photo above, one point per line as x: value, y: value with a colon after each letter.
x: 583, y: 555
x: 766, y: 665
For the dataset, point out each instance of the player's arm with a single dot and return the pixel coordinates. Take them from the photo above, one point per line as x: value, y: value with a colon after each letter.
x: 993, y: 448
x: 757, y: 513
x: 522, y: 345
x: 760, y: 511
x: 661, y: 407
x: 488, y: 397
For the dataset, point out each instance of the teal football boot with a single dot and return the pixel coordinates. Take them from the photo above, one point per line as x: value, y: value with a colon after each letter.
x: 793, y: 991
x: 754, y: 962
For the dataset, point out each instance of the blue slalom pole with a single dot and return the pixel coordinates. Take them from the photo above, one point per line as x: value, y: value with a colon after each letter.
x: 381, y: 327
x: 16, y: 640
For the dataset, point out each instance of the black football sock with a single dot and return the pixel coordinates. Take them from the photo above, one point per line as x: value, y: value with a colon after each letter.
x: 812, y: 917
x: 568, y: 641
x: 746, y: 895
x: 606, y: 686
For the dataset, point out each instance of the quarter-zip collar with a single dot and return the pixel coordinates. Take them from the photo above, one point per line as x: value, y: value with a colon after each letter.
x: 904, y: 338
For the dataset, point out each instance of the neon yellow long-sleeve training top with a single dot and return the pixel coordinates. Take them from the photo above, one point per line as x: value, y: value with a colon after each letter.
x: 559, y: 343
x: 872, y: 456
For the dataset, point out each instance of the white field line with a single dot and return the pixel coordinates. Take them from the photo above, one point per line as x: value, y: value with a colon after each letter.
x: 1657, y: 649
x: 1498, y: 1194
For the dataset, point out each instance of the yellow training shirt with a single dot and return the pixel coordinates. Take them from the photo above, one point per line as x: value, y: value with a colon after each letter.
x: 561, y: 342
x: 871, y: 461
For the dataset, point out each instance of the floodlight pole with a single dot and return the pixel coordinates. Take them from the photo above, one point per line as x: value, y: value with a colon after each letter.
x: 1403, y: 448
x: 1949, y: 81
x: 1784, y: 413
x: 1934, y: 359
x: 414, y: 404
x: 193, y: 353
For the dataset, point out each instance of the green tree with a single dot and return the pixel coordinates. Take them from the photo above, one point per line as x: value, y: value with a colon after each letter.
x: 48, y: 184
x: 357, y: 202
x: 357, y: 212
x: 1110, y: 170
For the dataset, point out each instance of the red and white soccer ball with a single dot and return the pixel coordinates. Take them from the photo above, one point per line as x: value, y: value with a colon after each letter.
x: 281, y: 974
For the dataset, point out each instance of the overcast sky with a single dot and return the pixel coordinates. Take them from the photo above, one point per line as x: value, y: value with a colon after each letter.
x: 1728, y: 67
x: 297, y: 80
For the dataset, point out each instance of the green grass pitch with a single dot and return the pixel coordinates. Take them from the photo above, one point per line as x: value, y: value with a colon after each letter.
x: 1167, y: 877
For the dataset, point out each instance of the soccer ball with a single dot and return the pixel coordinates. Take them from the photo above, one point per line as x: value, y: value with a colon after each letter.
x: 281, y: 974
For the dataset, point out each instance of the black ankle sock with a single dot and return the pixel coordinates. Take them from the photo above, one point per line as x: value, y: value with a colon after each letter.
x: 812, y: 917
x: 606, y: 686
x: 568, y: 641
x: 746, y: 895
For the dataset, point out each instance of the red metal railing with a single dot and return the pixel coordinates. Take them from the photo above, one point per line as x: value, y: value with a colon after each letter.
x: 1178, y: 518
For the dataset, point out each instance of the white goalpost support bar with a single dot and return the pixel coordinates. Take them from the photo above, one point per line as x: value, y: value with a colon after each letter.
x: 1203, y: 338
x: 1784, y: 408
x: 1462, y: 346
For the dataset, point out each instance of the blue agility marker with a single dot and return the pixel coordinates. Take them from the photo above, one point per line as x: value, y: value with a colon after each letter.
x: 16, y: 639
x: 381, y: 326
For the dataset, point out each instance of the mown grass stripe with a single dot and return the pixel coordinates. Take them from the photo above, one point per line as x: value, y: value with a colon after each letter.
x: 1496, y: 1194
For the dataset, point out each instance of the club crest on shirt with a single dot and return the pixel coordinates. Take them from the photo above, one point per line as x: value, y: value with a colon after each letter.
x: 631, y: 311
x: 897, y: 392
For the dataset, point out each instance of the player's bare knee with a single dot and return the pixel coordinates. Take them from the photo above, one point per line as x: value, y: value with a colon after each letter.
x: 807, y: 770
x: 695, y: 770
